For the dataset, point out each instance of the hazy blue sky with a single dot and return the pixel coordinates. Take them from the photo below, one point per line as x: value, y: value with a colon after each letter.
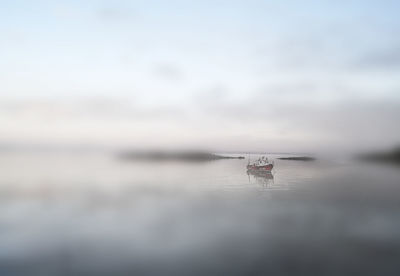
x: 248, y: 75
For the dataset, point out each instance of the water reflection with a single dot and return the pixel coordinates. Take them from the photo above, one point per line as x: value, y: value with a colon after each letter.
x: 93, y: 215
x: 263, y: 178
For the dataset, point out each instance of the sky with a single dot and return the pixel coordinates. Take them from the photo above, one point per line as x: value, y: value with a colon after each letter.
x: 225, y: 75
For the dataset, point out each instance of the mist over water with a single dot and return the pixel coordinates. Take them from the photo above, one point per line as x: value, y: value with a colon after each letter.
x: 93, y: 214
x: 101, y: 103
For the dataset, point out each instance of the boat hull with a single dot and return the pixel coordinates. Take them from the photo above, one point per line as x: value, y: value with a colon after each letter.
x: 266, y: 168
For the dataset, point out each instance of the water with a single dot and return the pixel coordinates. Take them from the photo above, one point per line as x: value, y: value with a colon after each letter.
x: 91, y: 214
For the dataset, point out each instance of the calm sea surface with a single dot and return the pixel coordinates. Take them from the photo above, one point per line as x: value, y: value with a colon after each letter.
x: 93, y: 214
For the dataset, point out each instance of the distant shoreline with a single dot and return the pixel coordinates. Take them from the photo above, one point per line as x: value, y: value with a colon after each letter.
x: 174, y: 156
x: 392, y: 157
x: 299, y: 158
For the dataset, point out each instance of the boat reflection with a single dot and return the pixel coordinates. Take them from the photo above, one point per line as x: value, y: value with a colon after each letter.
x: 263, y: 178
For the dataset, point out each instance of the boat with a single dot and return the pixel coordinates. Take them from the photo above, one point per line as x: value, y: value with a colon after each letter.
x: 262, y: 164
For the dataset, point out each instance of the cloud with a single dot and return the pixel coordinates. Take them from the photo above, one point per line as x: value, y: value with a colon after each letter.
x: 388, y: 59
x: 114, y: 14
x: 168, y: 71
